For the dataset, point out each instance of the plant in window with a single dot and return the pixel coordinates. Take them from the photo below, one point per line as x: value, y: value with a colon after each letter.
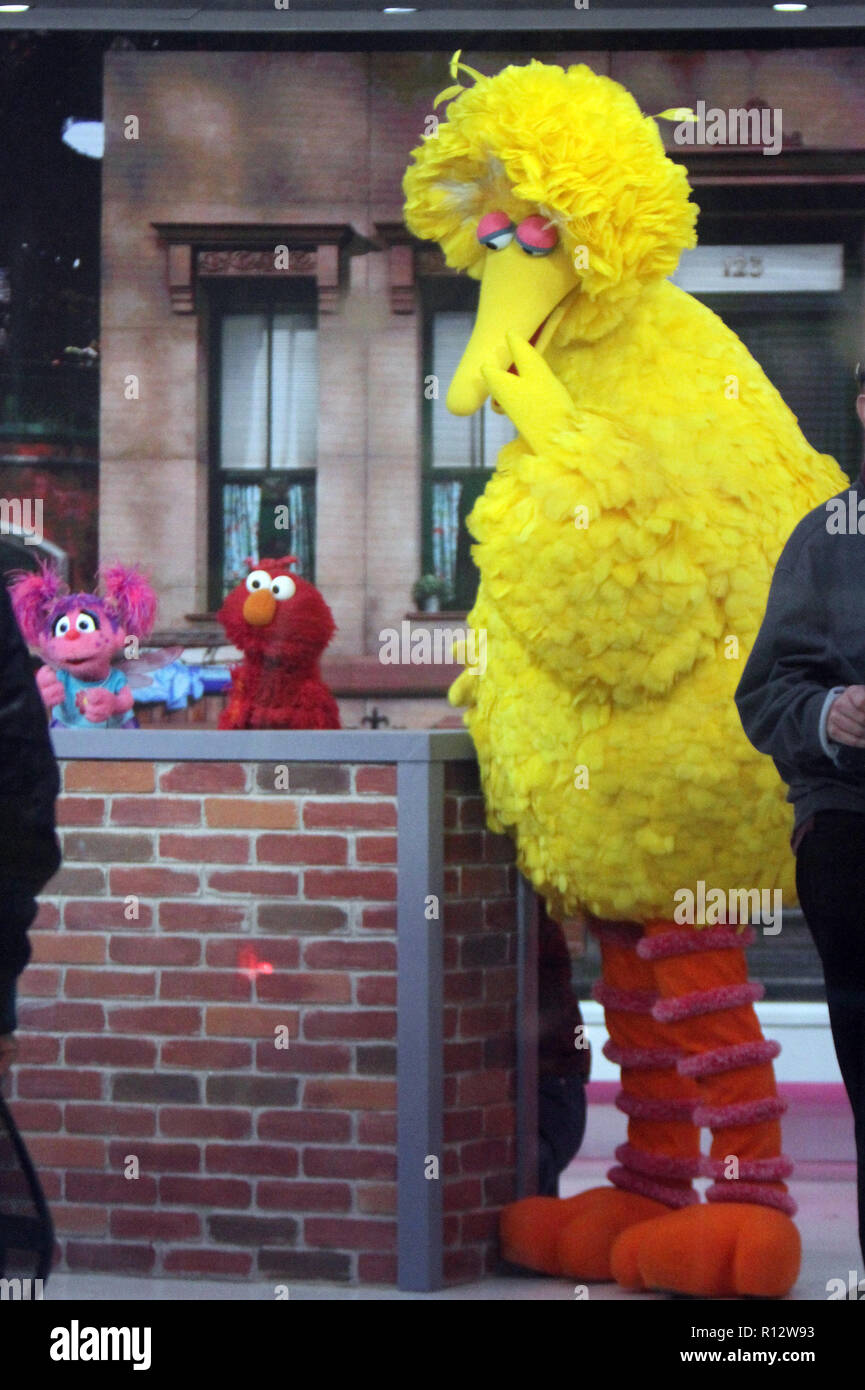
x: 430, y: 593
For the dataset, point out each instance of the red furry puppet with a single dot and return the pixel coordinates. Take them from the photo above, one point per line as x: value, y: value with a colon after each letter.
x: 282, y: 625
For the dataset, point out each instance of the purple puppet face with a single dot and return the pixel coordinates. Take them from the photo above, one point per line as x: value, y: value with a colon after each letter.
x: 82, y: 638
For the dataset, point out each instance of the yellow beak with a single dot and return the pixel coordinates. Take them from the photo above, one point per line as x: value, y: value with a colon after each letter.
x: 518, y: 292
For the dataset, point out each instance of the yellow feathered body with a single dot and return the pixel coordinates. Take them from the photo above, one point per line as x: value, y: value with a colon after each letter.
x: 625, y: 566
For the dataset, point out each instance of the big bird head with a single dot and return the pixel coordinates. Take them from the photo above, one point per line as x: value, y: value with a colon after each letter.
x: 554, y: 190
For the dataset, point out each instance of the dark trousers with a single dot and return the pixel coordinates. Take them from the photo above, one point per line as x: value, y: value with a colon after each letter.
x: 561, y: 1126
x: 830, y: 877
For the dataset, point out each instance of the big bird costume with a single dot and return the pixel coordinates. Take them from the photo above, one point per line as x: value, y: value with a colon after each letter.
x: 626, y: 542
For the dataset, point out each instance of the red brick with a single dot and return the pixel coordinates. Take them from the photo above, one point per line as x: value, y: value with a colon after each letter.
x: 133, y: 1122
x: 376, y: 1129
x: 330, y: 778
x: 232, y: 952
x: 253, y: 883
x: 160, y: 950
x: 350, y: 955
x: 87, y: 915
x: 450, y: 950
x: 134, y: 1259
x: 462, y: 777
x: 80, y: 810
x: 498, y: 849
x: 460, y: 985
x: 368, y: 885
x: 462, y: 1194
x: 376, y: 849
x: 110, y: 984
x: 500, y: 983
x: 451, y: 882
x: 472, y: 812
x: 340, y: 1233
x: 301, y: 849
x: 378, y: 780
x: 148, y: 811
x: 499, y: 1120
x: 464, y: 916
x: 499, y: 1189
x: 304, y: 1196
x: 483, y: 1020
x: 47, y: 917
x: 227, y: 814
x: 378, y: 1199
x: 205, y: 849
x: 378, y: 919
x: 377, y: 1269
x: 74, y: 882
x: 146, y: 882
x: 155, y: 1225
x: 205, y: 1054
x: 207, y: 1261
x: 316, y: 987
x: 34, y: 1115
x: 501, y: 913
x: 107, y: 846
x: 484, y: 880
x: 111, y: 1188
x: 99, y: 776
x: 349, y: 1094
x: 306, y: 918
x: 463, y: 1056
x: 230, y: 1021
x: 479, y: 1227
x: 204, y: 777
x: 301, y: 1058
x: 252, y: 1160
x: 35, y: 1049
x: 73, y: 1219
x: 220, y: 985
x: 463, y: 1124
x: 486, y: 1155
x: 376, y: 989
x: 155, y: 1157
x: 203, y: 1122
x: 36, y: 983
x: 349, y: 815
x: 212, y: 1193
x: 52, y: 1184
x: 463, y: 847
x: 62, y: 949
x: 349, y: 1163
x: 202, y: 917
x: 62, y: 1151
x: 331, y: 1023
x: 451, y: 812
x: 110, y: 1052
x: 463, y: 1266
x: 487, y: 1088
x: 46, y: 1083
x: 302, y: 1126
x: 156, y: 1018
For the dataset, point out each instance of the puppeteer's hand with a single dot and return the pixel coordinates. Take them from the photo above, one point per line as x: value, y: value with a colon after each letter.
x: 50, y: 688
x: 8, y: 1051
x: 846, y: 720
x: 98, y: 704
x: 534, y: 399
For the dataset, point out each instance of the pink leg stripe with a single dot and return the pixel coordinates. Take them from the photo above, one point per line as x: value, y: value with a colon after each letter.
x: 683, y: 943
x: 642, y: 1058
x: 648, y: 1108
x: 615, y: 933
x: 746, y: 1112
x: 627, y: 1001
x: 705, y: 1001
x: 749, y: 1054
x: 755, y: 1169
x: 648, y: 1187
x: 659, y: 1165
x: 752, y: 1192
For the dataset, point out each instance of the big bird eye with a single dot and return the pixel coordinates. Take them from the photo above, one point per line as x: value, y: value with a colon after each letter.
x: 85, y: 623
x: 283, y: 586
x: 258, y: 579
x: 537, y: 236
x: 61, y: 627
x: 495, y: 230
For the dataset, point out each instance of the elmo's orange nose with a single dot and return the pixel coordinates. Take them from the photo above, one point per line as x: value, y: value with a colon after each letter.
x: 259, y: 608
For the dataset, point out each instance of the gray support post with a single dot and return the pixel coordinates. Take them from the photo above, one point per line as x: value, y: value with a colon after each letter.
x: 420, y: 1092
x: 527, y: 1039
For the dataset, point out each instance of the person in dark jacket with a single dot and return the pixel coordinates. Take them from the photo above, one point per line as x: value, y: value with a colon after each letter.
x: 801, y: 699
x: 29, y: 783
x: 563, y: 1058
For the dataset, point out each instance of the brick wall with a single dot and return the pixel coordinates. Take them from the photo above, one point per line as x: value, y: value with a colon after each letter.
x: 204, y: 913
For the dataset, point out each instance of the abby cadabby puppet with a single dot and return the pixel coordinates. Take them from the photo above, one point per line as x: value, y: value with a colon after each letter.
x: 88, y: 643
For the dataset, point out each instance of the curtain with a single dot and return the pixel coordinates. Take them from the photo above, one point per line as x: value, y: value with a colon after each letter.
x: 243, y: 423
x: 301, y: 526
x: 446, y: 528
x: 241, y: 506
x: 294, y: 391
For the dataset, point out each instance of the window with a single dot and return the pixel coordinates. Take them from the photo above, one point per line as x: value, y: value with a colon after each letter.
x: 459, y: 451
x: 264, y: 412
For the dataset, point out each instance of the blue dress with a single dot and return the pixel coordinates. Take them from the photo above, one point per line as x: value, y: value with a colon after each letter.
x: 68, y: 716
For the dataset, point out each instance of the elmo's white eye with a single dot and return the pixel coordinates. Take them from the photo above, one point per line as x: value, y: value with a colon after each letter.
x: 62, y: 626
x: 258, y: 579
x: 85, y: 623
x: 283, y: 586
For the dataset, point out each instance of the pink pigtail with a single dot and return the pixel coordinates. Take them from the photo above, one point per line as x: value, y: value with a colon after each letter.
x: 33, y: 595
x: 129, y: 597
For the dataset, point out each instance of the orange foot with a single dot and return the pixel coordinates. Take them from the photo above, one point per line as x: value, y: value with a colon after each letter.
x: 572, y: 1236
x: 719, y: 1250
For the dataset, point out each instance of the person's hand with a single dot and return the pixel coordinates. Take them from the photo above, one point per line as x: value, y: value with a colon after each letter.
x: 846, y: 720
x: 8, y: 1051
